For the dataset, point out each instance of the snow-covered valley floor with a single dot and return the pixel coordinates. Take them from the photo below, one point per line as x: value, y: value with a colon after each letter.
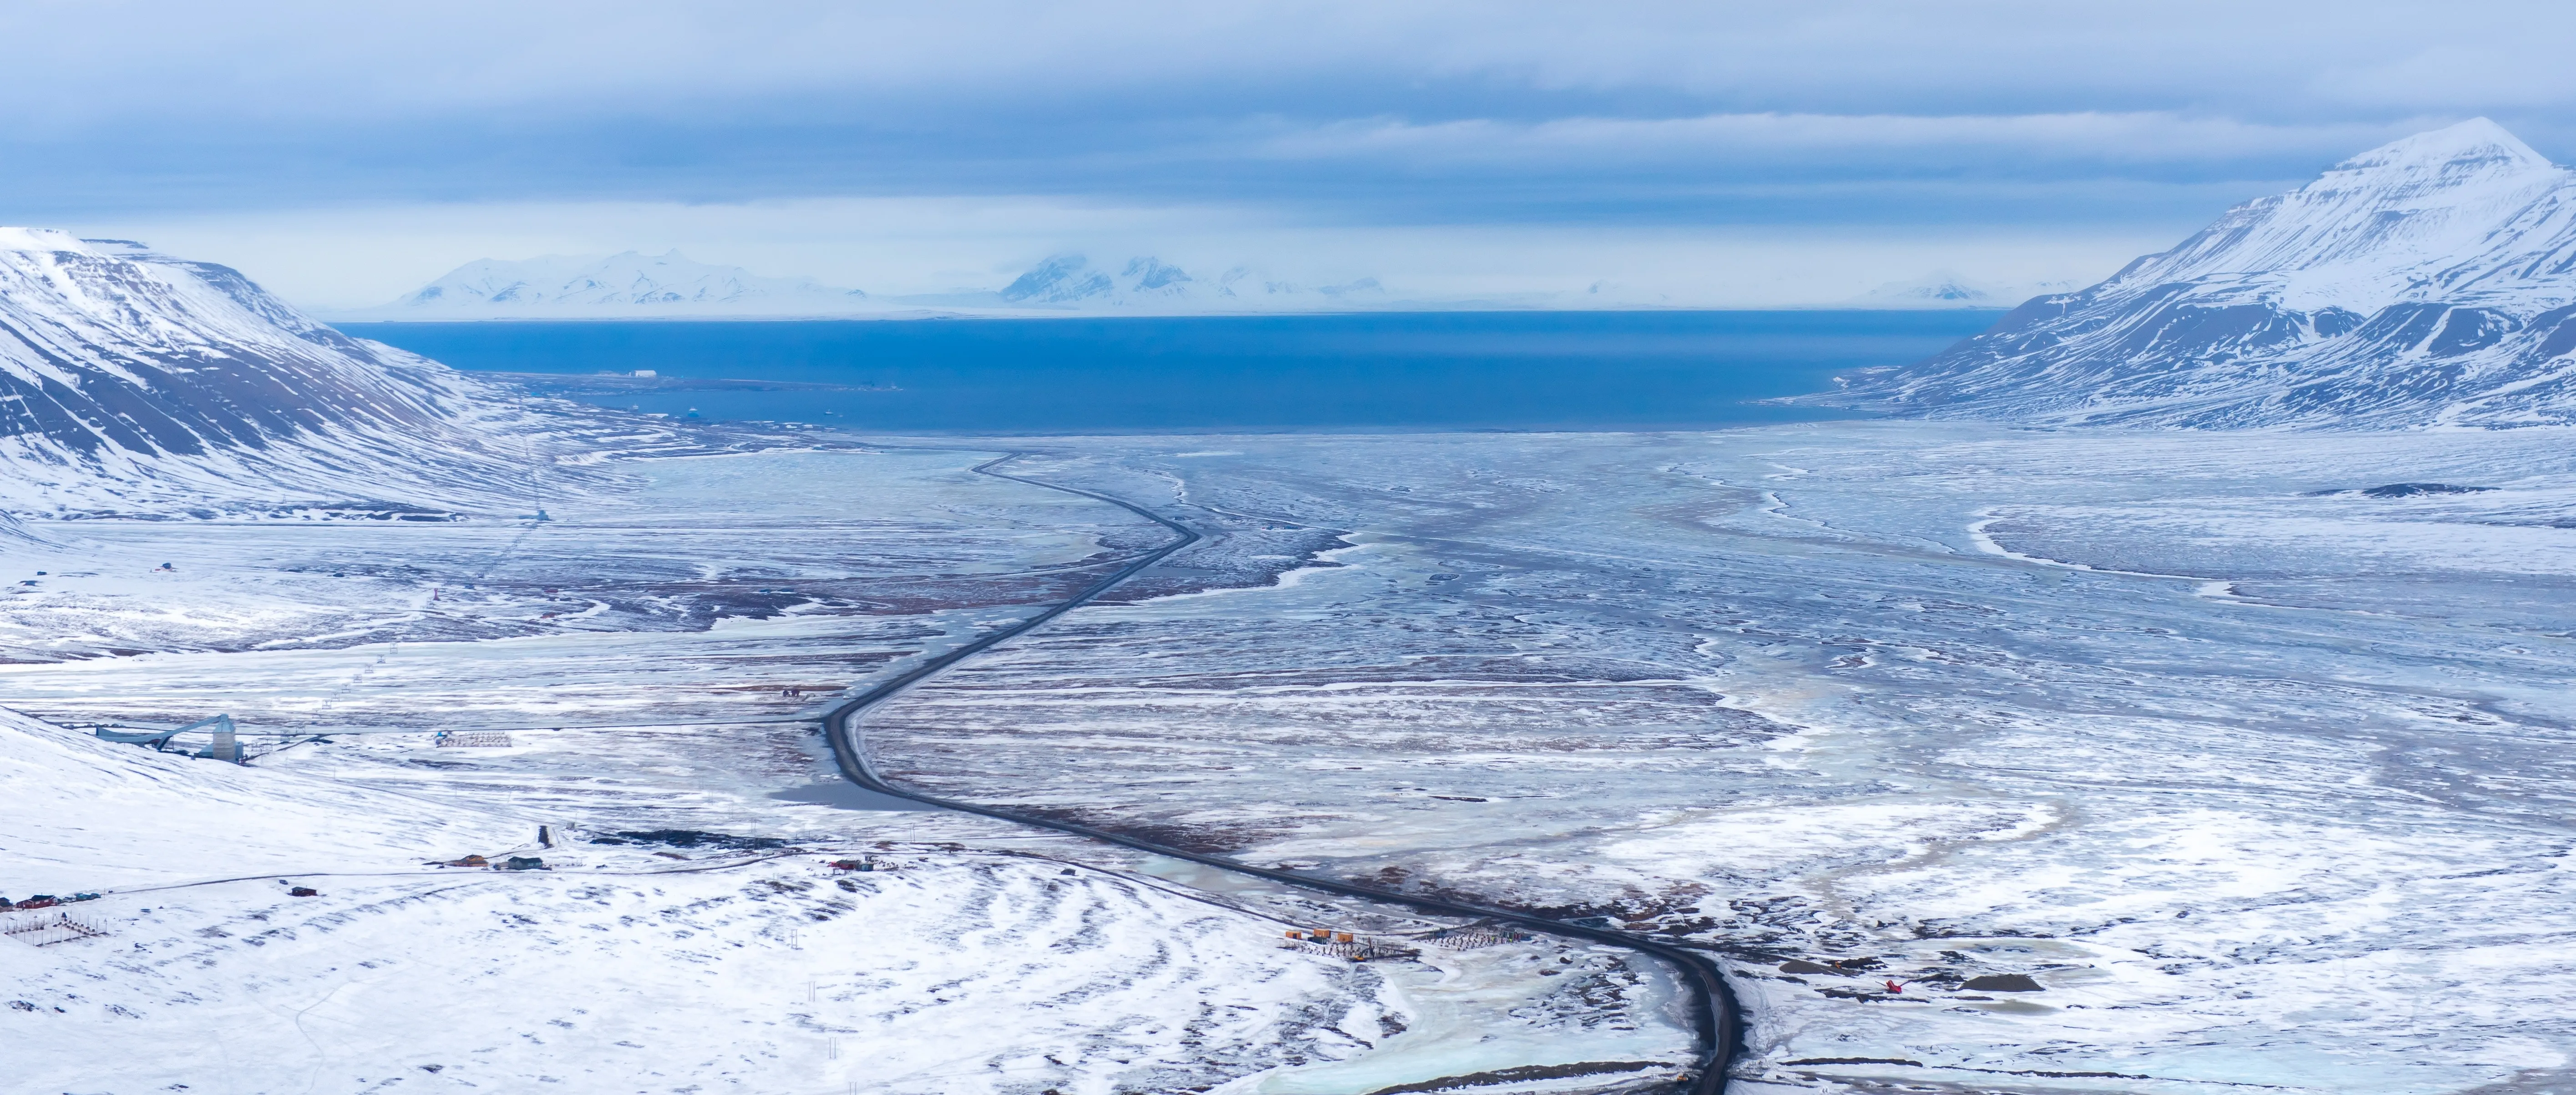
x: 688, y: 934
x: 2255, y: 773
x: 2259, y: 780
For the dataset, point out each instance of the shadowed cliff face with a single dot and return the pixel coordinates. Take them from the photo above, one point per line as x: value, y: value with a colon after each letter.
x: 2431, y: 281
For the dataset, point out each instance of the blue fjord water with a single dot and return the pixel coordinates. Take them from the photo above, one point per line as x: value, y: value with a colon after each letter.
x: 1404, y: 371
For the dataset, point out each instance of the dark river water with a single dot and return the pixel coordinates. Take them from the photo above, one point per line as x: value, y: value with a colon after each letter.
x: 1404, y: 371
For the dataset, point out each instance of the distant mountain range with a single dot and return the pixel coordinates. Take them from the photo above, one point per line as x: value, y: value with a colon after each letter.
x: 1949, y: 289
x: 631, y: 284
x: 2431, y: 281
x: 671, y: 285
x: 1070, y: 281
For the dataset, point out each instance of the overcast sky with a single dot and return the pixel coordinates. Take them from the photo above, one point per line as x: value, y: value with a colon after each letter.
x: 1694, y: 153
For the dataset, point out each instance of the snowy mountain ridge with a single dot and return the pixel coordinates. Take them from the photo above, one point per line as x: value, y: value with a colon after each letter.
x: 1148, y: 285
x: 2430, y: 281
x: 132, y: 379
x: 633, y: 285
x: 1951, y: 289
x: 626, y: 285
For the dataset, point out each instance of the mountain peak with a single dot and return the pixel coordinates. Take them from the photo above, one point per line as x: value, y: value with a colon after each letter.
x: 2369, y: 229
x: 42, y: 239
x: 2477, y: 142
x: 2423, y: 282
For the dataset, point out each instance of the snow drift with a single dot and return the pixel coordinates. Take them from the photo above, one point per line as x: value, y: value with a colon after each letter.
x: 83, y: 814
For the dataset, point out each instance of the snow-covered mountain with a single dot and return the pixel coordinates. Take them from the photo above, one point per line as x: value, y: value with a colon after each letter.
x: 2429, y: 281
x: 130, y: 378
x: 1951, y: 289
x: 1943, y: 290
x: 628, y: 286
x: 672, y: 286
x: 1149, y: 285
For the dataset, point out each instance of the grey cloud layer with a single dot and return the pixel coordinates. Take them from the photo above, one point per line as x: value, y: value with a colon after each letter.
x: 1503, y: 110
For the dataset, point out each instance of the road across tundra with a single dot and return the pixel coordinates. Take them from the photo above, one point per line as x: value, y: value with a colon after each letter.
x: 1712, y: 1005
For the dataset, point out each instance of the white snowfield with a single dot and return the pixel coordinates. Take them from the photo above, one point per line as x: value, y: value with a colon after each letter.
x: 84, y: 814
x: 687, y: 935
x: 2245, y: 749
x: 2241, y: 756
x: 2430, y: 281
x: 613, y: 971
